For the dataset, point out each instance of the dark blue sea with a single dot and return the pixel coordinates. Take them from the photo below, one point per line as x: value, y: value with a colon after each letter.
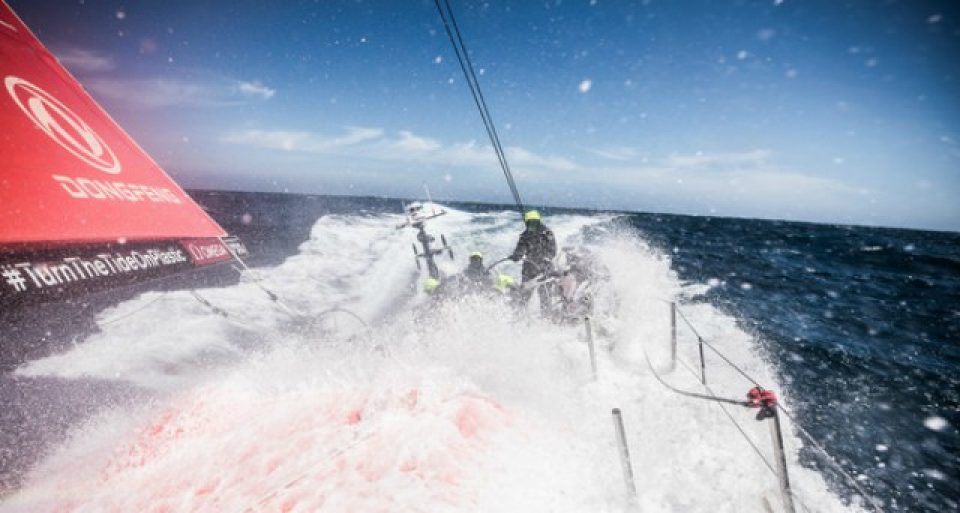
x: 863, y: 326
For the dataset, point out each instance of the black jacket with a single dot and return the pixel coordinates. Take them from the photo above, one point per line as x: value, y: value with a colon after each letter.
x: 477, y: 273
x: 537, y: 245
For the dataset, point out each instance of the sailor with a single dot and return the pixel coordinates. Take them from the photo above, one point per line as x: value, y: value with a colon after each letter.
x: 537, y: 247
x: 476, y: 274
x: 504, y: 283
x: 507, y: 289
x: 431, y: 286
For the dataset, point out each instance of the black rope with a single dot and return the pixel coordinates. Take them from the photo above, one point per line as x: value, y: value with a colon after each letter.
x: 343, y: 310
x: 466, y: 65
x: 687, y: 393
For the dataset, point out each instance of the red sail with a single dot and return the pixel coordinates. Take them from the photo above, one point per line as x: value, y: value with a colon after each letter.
x: 68, y: 172
x: 82, y: 207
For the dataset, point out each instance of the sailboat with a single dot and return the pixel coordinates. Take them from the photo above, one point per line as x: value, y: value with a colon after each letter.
x: 85, y: 209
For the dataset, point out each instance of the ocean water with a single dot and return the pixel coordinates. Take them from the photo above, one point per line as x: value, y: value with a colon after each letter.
x: 155, y: 403
x: 863, y: 328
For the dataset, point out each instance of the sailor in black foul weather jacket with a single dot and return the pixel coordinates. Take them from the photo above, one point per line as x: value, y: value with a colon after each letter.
x: 537, y: 247
x: 476, y: 272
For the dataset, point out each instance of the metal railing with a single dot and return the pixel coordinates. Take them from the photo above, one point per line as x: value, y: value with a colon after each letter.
x: 771, y: 414
x: 770, y: 411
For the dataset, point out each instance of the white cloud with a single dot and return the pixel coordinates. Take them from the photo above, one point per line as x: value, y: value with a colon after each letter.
x: 365, y: 142
x: 413, y: 144
x: 358, y: 134
x: 523, y: 157
x: 289, y: 140
x: 733, y: 184
x: 79, y: 60
x: 622, y: 153
x: 154, y: 93
x: 255, y: 88
x: 750, y: 158
x: 160, y: 92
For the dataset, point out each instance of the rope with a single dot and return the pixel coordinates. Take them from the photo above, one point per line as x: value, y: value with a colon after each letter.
x: 273, y: 297
x: 344, y: 310
x: 221, y: 312
x: 131, y: 313
x: 213, y: 308
x: 687, y: 393
x: 466, y: 65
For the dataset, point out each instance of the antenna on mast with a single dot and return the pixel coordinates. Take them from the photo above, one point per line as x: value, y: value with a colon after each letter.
x: 433, y: 205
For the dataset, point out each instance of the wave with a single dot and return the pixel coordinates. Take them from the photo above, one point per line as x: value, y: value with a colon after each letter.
x: 464, y: 407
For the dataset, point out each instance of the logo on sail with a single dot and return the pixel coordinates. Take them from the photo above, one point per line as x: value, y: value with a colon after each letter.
x: 62, y: 125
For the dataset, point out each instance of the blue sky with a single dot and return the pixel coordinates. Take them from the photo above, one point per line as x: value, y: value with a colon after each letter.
x: 827, y: 111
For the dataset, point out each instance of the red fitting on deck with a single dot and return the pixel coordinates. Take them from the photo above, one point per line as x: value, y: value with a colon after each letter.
x: 760, y: 398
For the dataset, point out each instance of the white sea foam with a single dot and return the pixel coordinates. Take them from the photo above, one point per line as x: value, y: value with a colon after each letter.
x: 466, y: 408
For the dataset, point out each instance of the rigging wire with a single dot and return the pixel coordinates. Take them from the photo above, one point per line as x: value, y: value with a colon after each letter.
x: 466, y: 65
x: 715, y: 350
x: 476, y: 81
x: 273, y: 297
x: 134, y: 311
x: 830, y: 459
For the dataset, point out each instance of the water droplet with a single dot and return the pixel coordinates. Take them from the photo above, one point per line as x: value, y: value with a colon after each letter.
x: 936, y: 423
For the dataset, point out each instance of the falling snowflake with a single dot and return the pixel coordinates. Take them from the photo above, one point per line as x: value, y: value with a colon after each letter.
x: 934, y: 18
x: 121, y: 15
x: 438, y: 59
x: 742, y: 54
x: 585, y: 85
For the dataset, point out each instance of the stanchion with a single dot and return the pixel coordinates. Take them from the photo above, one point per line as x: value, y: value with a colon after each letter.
x: 703, y: 363
x: 776, y: 434
x: 673, y: 336
x: 625, y: 456
x: 593, y: 352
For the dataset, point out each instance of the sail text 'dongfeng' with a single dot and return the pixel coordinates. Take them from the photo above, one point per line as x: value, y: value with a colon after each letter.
x: 88, y: 188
